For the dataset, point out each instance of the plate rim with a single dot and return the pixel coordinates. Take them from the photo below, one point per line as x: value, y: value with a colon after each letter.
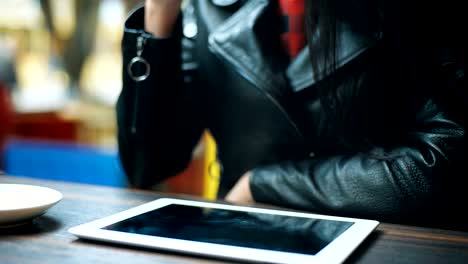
x: 58, y: 198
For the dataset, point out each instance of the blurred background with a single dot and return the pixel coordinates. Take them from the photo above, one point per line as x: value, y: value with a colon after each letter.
x: 60, y: 76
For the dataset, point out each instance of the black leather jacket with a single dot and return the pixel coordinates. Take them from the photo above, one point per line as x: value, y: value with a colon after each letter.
x: 266, y: 116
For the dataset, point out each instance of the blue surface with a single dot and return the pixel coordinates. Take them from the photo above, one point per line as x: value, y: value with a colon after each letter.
x: 63, y: 161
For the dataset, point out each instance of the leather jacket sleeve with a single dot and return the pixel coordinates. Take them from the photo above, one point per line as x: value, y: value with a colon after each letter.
x: 419, y: 176
x: 364, y: 186
x: 157, y: 124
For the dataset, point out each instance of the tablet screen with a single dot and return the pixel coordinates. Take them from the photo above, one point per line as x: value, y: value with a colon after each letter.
x: 235, y: 228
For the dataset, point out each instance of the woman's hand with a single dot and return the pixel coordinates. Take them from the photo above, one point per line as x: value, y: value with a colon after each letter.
x: 240, y: 193
x: 160, y: 16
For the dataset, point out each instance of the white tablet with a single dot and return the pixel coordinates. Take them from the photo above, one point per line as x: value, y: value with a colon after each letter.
x: 233, y: 232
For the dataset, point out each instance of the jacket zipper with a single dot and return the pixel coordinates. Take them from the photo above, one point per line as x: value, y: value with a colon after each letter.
x: 141, y: 40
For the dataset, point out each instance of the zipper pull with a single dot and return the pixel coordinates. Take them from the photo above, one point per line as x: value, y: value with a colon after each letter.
x: 140, y: 64
x: 141, y: 40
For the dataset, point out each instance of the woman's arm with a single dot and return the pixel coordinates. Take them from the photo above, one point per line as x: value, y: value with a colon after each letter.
x: 158, y: 125
x: 161, y: 16
x: 419, y: 178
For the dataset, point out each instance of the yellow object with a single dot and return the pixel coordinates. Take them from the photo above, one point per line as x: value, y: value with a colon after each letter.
x: 212, y: 169
x: 201, y: 177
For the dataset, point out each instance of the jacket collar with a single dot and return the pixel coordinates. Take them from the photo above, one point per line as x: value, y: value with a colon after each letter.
x: 239, y: 42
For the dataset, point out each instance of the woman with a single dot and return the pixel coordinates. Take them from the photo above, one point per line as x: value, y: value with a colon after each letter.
x: 363, y: 118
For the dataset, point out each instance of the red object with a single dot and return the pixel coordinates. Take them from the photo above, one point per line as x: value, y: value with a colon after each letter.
x: 6, y: 117
x: 44, y: 125
x: 292, y: 37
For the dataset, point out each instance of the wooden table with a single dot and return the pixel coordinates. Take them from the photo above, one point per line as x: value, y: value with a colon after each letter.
x: 46, y: 239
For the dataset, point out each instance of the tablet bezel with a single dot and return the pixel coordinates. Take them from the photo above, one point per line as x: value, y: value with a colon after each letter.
x: 335, y: 252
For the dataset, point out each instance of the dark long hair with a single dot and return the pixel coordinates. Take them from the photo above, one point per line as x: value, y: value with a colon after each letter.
x: 417, y: 38
x: 320, y: 19
x: 323, y: 18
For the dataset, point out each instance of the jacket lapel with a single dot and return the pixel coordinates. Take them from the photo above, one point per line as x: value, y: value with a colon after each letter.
x: 350, y: 45
x: 239, y: 41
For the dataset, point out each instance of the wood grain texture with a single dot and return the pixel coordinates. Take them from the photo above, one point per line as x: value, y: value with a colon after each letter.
x: 46, y: 240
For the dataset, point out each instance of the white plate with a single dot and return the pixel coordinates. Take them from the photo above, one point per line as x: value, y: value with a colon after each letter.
x: 20, y: 202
